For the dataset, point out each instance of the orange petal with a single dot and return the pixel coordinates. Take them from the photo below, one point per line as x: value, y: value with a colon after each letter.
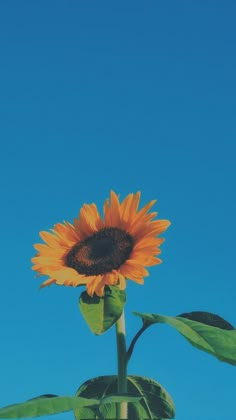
x: 114, y: 210
x: 47, y: 283
x: 66, y: 275
x: 44, y: 259
x: 89, y: 221
x: 133, y: 270
x: 41, y: 270
x: 41, y: 247
x: 54, y: 241
x: 125, y: 210
x: 147, y: 242
x: 147, y: 259
x: 144, y: 254
x: 111, y: 278
x: 51, y: 252
x: 46, y: 266
x: 143, y: 212
x: 140, y: 222
x: 66, y: 232
x: 95, y: 284
x: 134, y: 205
x: 155, y: 228
x: 100, y: 288
x: 98, y: 222
x: 154, y: 261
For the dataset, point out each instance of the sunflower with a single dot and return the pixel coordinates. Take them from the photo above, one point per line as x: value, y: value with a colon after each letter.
x: 97, y: 252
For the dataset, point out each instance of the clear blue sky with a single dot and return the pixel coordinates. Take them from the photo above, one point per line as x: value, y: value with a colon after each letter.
x: 132, y: 96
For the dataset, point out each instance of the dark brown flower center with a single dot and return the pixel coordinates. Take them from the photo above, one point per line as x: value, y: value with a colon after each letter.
x: 100, y: 253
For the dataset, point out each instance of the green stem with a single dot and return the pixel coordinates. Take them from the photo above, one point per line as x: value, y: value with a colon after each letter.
x: 135, y: 339
x: 122, y: 365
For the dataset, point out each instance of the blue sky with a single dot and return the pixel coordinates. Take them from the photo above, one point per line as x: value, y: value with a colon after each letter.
x: 130, y: 96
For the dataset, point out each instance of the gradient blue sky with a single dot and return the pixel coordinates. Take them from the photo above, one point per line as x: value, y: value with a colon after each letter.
x: 136, y: 95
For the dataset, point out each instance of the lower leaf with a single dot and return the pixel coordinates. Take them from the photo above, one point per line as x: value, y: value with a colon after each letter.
x: 42, y: 406
x: 152, y: 400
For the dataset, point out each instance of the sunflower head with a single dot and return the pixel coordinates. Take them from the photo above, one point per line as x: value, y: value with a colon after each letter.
x: 97, y: 252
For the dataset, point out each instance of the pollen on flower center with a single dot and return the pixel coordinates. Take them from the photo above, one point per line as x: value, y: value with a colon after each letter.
x: 100, y: 253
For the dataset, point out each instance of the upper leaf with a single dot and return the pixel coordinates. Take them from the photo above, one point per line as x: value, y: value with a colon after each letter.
x: 153, y: 401
x: 219, y: 342
x: 209, y: 319
x: 101, y: 313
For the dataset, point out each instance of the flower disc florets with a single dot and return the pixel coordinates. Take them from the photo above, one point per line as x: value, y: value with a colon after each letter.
x: 100, y: 253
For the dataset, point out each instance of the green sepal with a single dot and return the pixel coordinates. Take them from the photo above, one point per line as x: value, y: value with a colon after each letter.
x: 151, y: 400
x: 101, y: 313
x: 45, y: 405
x: 219, y: 341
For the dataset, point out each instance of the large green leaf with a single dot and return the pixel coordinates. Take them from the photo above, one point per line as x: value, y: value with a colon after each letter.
x: 153, y: 401
x: 45, y: 405
x: 209, y: 319
x: 101, y: 313
x: 218, y: 341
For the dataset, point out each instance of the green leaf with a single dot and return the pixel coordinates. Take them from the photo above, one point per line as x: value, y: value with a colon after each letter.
x: 101, y: 313
x: 220, y: 342
x: 42, y: 406
x: 209, y: 319
x: 87, y: 413
x: 151, y: 400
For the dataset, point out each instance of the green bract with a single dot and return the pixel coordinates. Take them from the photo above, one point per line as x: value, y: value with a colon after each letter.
x: 101, y: 313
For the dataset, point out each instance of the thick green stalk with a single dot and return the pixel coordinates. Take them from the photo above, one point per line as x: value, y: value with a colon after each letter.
x: 122, y: 412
